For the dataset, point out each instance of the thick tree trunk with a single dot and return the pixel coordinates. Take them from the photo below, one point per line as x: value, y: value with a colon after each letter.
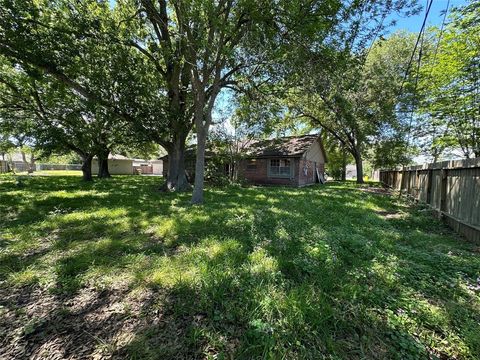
x: 344, y: 164
x: 197, y: 196
x: 103, y: 172
x: 32, y: 163
x: 87, y: 167
x: 359, y: 166
x: 11, y: 164
x: 176, y: 176
x: 27, y: 165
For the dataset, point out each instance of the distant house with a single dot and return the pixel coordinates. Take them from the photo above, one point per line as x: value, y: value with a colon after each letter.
x: 350, y: 171
x: 117, y: 165
x: 293, y: 160
x: 152, y: 167
x: 19, y: 161
x: 122, y: 165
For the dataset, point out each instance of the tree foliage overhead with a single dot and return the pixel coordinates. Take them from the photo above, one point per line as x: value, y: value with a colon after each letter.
x: 449, y: 86
x: 155, y: 69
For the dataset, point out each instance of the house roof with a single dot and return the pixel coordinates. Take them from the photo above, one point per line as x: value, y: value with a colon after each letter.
x: 286, y: 146
x: 118, y: 157
x: 191, y: 152
x: 16, y: 157
x: 289, y: 146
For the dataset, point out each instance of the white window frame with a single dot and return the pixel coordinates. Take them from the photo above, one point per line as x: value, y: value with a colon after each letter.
x: 284, y: 170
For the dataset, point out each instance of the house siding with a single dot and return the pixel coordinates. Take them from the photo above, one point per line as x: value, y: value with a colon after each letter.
x: 157, y: 166
x: 115, y: 166
x: 260, y: 176
x: 312, y: 160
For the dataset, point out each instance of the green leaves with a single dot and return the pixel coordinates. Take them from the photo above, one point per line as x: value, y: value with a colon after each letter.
x: 449, y: 82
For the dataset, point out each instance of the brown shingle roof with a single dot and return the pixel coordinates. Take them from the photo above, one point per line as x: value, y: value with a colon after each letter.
x: 289, y: 146
x: 285, y: 146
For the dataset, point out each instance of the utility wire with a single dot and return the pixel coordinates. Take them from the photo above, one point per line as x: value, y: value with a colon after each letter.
x: 442, y: 29
x: 420, y: 38
x: 420, y: 34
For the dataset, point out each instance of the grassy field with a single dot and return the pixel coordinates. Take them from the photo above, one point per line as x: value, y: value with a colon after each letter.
x: 118, y: 269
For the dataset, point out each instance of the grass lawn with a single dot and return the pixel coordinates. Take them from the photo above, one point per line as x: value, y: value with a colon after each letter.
x: 118, y: 269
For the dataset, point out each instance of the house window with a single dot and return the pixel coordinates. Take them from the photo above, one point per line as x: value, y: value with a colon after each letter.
x: 251, y: 165
x: 280, y: 168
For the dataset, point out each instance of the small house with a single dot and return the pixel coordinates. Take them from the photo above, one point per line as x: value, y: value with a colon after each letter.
x: 292, y: 160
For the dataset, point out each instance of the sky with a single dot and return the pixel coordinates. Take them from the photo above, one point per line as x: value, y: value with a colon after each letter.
x: 414, y: 24
x: 435, y: 17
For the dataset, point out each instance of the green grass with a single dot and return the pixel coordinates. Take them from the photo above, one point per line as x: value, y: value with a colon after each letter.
x: 328, y: 272
x: 49, y: 173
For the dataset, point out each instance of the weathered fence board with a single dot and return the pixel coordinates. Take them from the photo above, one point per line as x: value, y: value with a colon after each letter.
x: 3, y: 166
x: 450, y: 187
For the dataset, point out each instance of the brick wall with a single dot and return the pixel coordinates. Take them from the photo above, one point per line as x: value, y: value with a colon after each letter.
x: 306, y: 172
x: 260, y: 174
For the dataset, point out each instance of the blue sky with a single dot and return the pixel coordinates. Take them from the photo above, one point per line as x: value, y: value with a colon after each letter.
x: 435, y: 17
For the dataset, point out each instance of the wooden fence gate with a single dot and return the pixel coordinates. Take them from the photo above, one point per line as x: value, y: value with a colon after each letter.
x: 450, y: 187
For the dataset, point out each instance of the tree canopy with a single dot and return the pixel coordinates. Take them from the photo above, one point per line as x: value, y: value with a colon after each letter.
x: 97, y: 77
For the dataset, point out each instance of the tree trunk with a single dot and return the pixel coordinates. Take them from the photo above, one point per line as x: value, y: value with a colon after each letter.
x: 203, y: 119
x: 26, y: 163
x: 197, y: 196
x: 31, y: 164
x: 11, y: 164
x: 344, y: 164
x: 103, y: 172
x: 176, y: 176
x: 87, y: 167
x: 359, y: 165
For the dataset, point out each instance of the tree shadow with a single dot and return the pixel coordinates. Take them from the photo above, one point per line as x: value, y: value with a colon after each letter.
x: 255, y: 273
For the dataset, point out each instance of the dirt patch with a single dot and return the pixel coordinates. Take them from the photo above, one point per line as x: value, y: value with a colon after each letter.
x: 35, y: 324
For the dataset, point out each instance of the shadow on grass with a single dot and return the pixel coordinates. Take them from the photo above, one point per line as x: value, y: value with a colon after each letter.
x: 255, y: 273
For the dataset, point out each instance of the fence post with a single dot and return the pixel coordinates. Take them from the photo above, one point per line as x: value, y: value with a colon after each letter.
x: 417, y: 186
x: 443, y: 191
x: 429, y: 186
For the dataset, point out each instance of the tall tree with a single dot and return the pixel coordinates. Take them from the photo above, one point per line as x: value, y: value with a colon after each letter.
x: 217, y: 41
x: 356, y: 100
x: 82, y: 47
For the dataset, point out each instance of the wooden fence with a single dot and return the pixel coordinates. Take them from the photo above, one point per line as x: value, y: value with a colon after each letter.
x: 450, y: 187
x: 3, y: 166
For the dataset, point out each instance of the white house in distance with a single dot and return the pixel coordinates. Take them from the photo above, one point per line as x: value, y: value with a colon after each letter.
x: 117, y: 165
x: 151, y: 167
x: 122, y: 165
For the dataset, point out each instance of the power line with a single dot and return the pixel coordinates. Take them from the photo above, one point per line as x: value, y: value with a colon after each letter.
x: 420, y: 38
x: 420, y: 34
x: 442, y: 28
